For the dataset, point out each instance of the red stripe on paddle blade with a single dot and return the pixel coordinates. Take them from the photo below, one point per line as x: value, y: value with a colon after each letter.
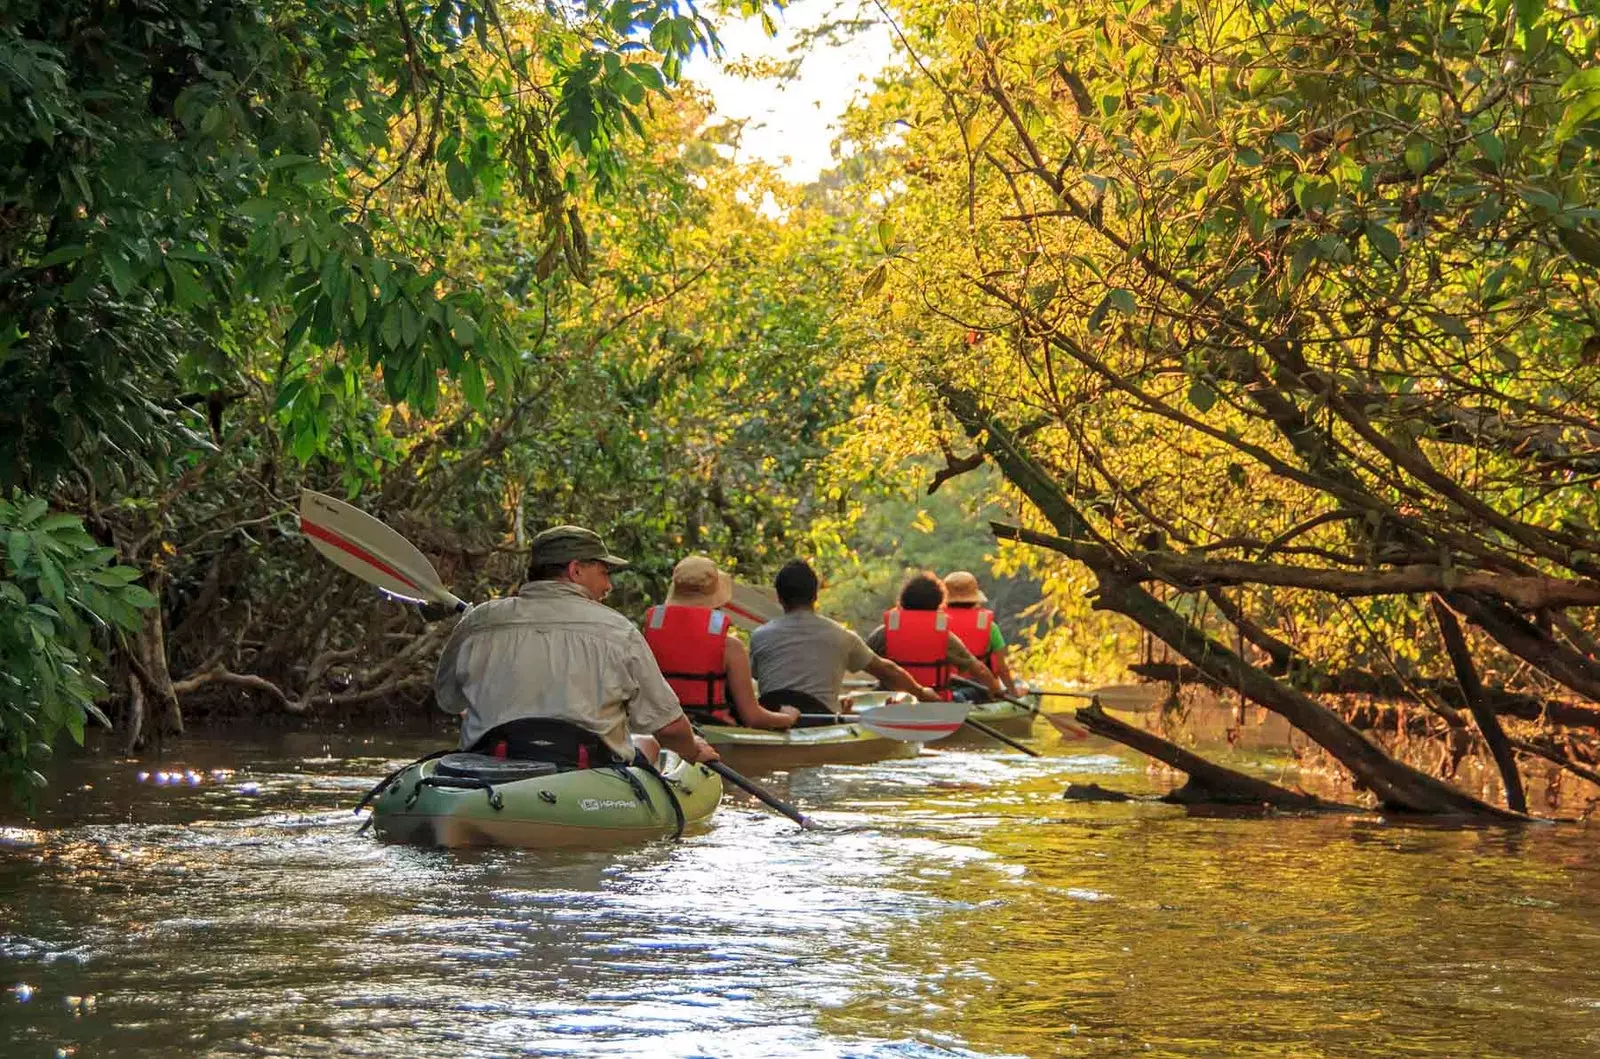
x: 734, y: 608
x: 313, y: 530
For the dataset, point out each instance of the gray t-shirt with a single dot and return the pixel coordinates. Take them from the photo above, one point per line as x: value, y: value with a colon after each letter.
x: 803, y: 651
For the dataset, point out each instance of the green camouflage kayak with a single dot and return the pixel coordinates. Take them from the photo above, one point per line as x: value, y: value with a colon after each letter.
x: 757, y: 750
x: 476, y: 800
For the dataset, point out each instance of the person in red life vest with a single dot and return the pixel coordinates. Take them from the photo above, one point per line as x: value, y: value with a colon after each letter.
x: 707, y: 668
x: 917, y: 635
x: 975, y: 627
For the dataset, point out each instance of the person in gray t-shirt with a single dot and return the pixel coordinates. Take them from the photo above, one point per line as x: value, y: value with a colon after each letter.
x: 801, y: 658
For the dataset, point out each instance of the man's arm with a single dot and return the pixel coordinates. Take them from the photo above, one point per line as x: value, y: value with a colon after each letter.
x: 965, y: 662
x: 446, y: 686
x: 679, y: 738
x: 655, y: 701
x: 891, y: 676
x: 742, y: 691
x: 1002, y: 669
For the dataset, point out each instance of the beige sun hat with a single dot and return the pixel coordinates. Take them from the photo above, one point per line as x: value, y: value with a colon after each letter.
x: 696, y: 582
x: 961, y: 587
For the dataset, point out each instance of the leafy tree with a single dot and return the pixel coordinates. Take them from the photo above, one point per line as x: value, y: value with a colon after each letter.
x: 1286, y: 307
x: 56, y: 588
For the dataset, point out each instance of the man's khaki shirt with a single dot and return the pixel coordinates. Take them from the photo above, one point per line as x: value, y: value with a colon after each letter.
x: 552, y: 652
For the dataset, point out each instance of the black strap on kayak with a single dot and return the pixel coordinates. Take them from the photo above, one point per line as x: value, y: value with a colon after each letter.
x: 381, y: 784
x: 640, y: 761
x: 474, y: 783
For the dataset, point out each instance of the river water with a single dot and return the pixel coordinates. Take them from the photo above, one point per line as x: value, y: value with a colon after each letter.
x: 959, y: 907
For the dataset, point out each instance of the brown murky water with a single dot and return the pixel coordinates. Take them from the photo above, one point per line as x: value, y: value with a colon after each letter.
x: 966, y: 911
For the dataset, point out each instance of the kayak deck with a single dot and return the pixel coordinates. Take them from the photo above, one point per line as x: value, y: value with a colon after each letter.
x: 545, y: 809
x: 1004, y: 717
x: 757, y: 750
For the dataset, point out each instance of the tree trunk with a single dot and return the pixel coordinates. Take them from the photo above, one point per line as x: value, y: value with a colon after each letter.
x: 1472, y: 687
x: 1207, y: 782
x: 1396, y: 784
x: 151, y: 683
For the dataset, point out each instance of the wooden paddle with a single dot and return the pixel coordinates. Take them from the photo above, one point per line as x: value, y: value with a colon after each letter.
x: 751, y: 607
x: 1083, y: 733
x: 1131, y: 697
x: 359, y: 543
x: 355, y: 541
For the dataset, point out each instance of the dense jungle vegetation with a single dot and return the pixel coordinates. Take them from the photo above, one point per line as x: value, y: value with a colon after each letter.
x: 1273, y: 328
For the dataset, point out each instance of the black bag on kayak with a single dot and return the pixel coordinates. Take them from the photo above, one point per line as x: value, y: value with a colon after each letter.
x: 562, y: 743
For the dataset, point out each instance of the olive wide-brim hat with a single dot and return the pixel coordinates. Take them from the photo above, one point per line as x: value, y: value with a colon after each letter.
x: 563, y: 544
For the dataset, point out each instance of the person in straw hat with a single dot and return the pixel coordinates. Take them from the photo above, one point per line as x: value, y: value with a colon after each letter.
x: 974, y: 625
x: 708, y: 668
x: 553, y: 674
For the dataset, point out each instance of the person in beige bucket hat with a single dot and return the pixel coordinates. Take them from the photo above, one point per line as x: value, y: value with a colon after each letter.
x: 974, y: 625
x: 696, y: 582
x: 707, y: 666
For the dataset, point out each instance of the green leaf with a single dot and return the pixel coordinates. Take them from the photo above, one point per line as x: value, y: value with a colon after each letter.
x: 459, y: 177
x: 1201, y: 396
x: 1452, y: 325
x: 62, y: 254
x: 462, y: 327
x: 187, y: 290
x: 1491, y: 146
x: 121, y: 272
x: 138, y: 596
x: 390, y: 328
x: 472, y: 385
x: 1122, y: 300
x: 874, y: 281
x: 1384, y: 242
x: 1583, y: 91
x: 886, y: 235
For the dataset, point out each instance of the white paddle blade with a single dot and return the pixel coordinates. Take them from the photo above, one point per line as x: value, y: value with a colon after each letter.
x: 751, y: 607
x: 1068, y: 727
x: 355, y: 541
x: 914, y: 722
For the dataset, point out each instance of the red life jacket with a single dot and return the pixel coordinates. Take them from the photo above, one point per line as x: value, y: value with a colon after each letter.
x: 688, y: 643
x: 972, y: 626
x: 919, y: 640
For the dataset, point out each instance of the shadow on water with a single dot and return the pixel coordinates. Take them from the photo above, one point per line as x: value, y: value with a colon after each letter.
x: 959, y: 908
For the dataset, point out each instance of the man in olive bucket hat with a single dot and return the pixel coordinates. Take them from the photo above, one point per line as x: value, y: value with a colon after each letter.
x: 552, y: 673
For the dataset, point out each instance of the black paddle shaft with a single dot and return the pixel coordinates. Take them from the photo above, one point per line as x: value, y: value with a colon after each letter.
x: 1002, y: 737
x: 765, y: 796
x: 990, y: 732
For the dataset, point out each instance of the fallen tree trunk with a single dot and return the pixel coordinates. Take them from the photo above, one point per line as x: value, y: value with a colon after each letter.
x: 1207, y: 782
x: 1386, y: 686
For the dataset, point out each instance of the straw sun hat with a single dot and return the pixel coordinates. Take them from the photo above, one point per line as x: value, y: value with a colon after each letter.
x: 961, y: 587
x: 696, y: 582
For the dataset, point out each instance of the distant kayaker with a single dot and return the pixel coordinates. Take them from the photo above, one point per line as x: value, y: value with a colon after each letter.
x: 917, y: 635
x: 801, y: 658
x: 974, y: 625
x: 551, y: 673
x: 707, y: 667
